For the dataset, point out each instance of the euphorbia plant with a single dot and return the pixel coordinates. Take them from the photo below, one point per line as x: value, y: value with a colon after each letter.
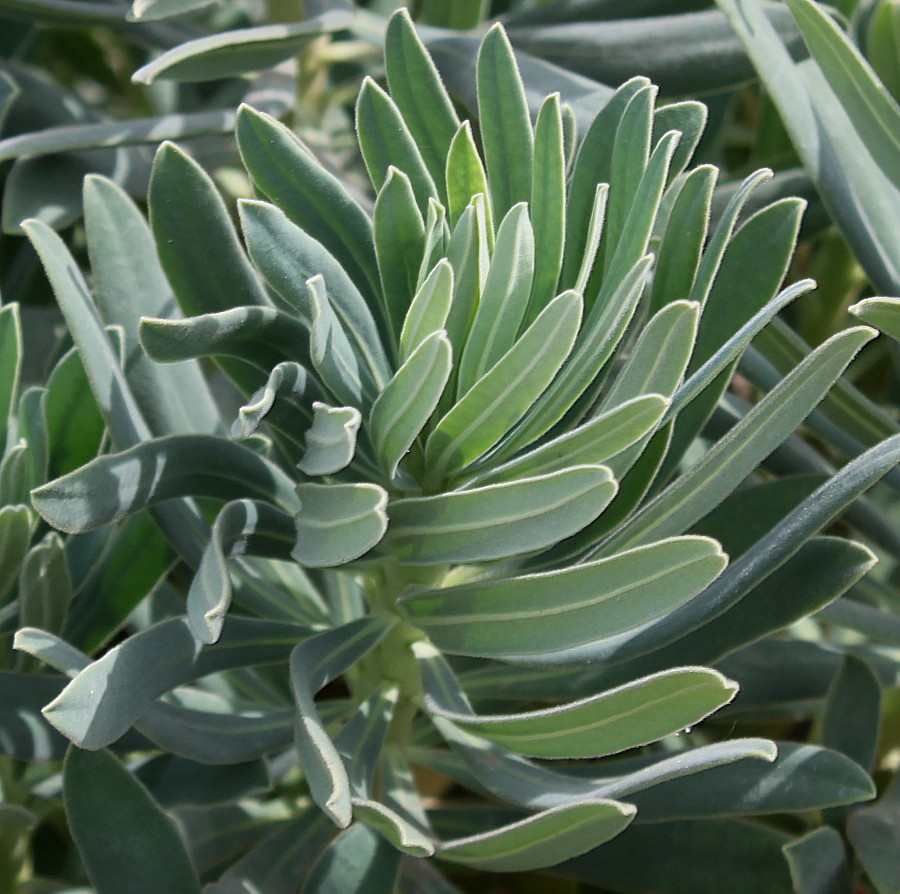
x: 454, y: 500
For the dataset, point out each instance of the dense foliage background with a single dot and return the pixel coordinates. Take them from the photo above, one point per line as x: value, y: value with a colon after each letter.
x: 165, y: 481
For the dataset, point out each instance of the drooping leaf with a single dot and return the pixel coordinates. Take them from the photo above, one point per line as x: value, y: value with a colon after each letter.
x: 238, y: 51
x: 242, y: 527
x: 109, y: 695
x: 315, y: 662
x: 330, y: 440
x: 338, y: 523
x: 111, y: 487
x: 543, y: 839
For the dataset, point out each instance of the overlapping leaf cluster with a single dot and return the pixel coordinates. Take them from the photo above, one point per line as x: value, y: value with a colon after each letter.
x: 457, y: 497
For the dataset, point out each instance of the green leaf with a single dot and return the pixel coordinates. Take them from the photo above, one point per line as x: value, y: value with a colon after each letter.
x: 780, y: 543
x: 881, y: 312
x: 361, y: 740
x: 506, y: 133
x: 689, y: 119
x: 242, y: 527
x: 833, y: 151
x: 284, y: 402
x: 405, y: 405
x: 870, y: 107
x: 45, y: 589
x: 195, y: 239
x: 595, y: 441
x: 16, y: 524
x: 126, y: 424
x: 10, y: 363
x: 402, y: 834
x: 465, y: 175
x: 111, y: 487
x: 707, y: 483
x: 288, y: 257
x: 330, y: 440
x: 420, y: 95
x: 822, y: 570
x: 107, y: 697
x: 359, y: 859
x: 262, y: 336
x: 498, y: 520
x: 818, y: 863
x: 873, y: 832
x: 429, y: 309
x: 24, y: 733
x: 338, y: 523
x: 129, y: 283
x: 595, y: 344
x: 286, y: 172
x: 314, y: 663
x: 593, y: 166
x: 399, y: 245
x: 702, y: 857
x: 74, y: 424
x: 385, y: 142
x: 178, y: 782
x: 238, y: 51
x: 678, y: 255
x: 543, y: 839
x: 548, y: 205
x: 504, y: 299
x: 635, y: 714
x: 626, y: 591
x: 504, y: 395
x: 851, y: 720
x: 105, y: 802
x: 437, y: 236
x: 801, y: 778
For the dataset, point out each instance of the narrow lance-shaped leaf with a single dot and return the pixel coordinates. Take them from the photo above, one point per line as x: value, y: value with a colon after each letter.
x: 548, y: 205
x: 632, y: 715
x: 596, y: 440
x: 505, y: 124
x: 465, y: 176
x: 360, y: 741
x: 429, y: 309
x: 420, y: 95
x: 498, y: 520
x: 314, y: 663
x: 10, y: 363
x: 238, y: 51
x: 111, y: 487
x: 504, y: 299
x: 129, y: 283
x: 881, y: 312
x: 543, y: 839
x: 402, y: 410
x: 516, y: 617
x: 705, y: 485
x: 359, y: 859
x: 870, y: 106
x: 401, y: 833
x: 287, y: 173
x: 503, y: 396
x: 288, y: 257
x: 195, y: 239
x: 385, y: 142
x: 399, y: 245
x: 262, y: 336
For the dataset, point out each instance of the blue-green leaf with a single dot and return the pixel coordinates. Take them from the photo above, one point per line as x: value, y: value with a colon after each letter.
x: 104, y: 802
